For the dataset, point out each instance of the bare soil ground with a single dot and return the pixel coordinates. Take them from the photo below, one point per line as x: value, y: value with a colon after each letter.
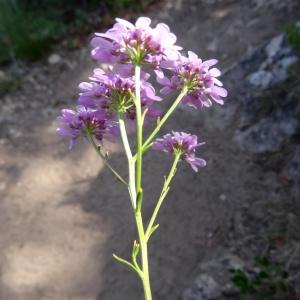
x: 62, y: 214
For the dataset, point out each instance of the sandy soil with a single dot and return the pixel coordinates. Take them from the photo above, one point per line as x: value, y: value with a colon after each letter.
x: 62, y: 213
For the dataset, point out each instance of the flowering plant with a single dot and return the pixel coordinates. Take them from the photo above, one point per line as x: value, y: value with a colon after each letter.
x: 122, y: 96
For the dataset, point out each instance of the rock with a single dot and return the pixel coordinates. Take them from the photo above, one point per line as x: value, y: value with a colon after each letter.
x: 7, y: 84
x: 214, y: 280
x: 2, y: 75
x: 203, y: 288
x: 281, y: 75
x: 269, y: 65
x: 281, y: 68
x: 230, y: 261
x: 286, y: 62
x: 178, y: 5
x: 294, y: 166
x: 274, y: 46
x: 221, y: 264
x: 14, y: 133
x: 292, y: 102
x: 260, y: 78
x: 54, y: 59
x: 268, y: 135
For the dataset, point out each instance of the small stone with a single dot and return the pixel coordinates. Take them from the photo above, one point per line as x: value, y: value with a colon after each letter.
x: 230, y: 261
x: 178, y: 5
x: 222, y: 197
x: 212, y: 46
x: 229, y: 290
x: 2, y: 75
x: 54, y: 59
x: 274, y: 46
x: 261, y: 78
x: 204, y: 288
x: 210, y: 235
x: 2, y: 186
x: 14, y: 133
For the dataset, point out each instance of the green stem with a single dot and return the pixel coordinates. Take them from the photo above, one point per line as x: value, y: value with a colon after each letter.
x: 139, y: 165
x: 149, y: 140
x: 144, y: 253
x: 131, y: 162
x: 139, y: 124
x: 97, y: 148
x: 164, y: 192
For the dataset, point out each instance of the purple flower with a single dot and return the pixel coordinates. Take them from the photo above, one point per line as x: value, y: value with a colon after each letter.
x: 92, y: 94
x: 183, y: 143
x: 198, y: 76
x: 114, y: 93
x: 83, y: 121
x: 139, y: 43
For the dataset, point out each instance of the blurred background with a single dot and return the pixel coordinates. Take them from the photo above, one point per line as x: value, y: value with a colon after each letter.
x: 232, y: 231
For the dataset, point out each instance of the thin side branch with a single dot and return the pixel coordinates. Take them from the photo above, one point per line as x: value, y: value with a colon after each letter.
x: 107, y: 164
x: 149, y: 140
x: 164, y: 192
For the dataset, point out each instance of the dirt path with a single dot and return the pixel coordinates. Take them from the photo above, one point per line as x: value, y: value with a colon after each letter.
x: 62, y: 215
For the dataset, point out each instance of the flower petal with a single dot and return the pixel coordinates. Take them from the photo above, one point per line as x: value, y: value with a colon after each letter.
x: 125, y: 23
x: 215, y: 72
x: 143, y: 22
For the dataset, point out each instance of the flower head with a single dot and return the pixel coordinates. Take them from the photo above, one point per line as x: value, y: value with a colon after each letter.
x: 113, y: 93
x: 197, y: 76
x: 183, y: 143
x: 83, y: 121
x: 137, y: 44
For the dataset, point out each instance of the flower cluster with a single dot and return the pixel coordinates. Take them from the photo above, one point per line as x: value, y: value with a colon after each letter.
x: 85, y: 121
x: 139, y: 43
x: 183, y: 143
x: 109, y: 94
x: 195, y: 74
x: 115, y: 93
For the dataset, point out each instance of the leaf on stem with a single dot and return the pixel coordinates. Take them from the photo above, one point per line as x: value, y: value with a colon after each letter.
x: 158, y: 120
x: 144, y: 115
x: 136, y: 248
x: 135, y: 252
x: 152, y: 231
x: 127, y: 264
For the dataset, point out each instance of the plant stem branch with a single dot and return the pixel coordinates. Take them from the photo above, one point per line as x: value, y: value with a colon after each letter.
x: 131, y: 162
x: 128, y: 264
x: 164, y: 192
x: 149, y: 140
x: 107, y: 164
